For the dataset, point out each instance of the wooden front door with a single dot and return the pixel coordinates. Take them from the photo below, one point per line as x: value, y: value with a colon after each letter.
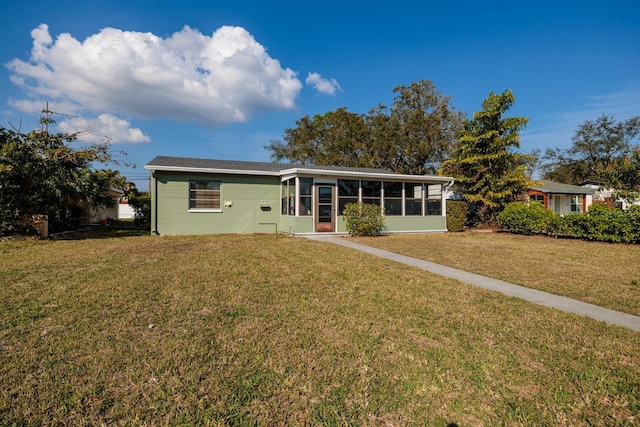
x: 325, y: 208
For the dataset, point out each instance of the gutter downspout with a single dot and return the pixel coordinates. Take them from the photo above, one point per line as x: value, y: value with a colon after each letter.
x: 444, y: 199
x: 155, y: 205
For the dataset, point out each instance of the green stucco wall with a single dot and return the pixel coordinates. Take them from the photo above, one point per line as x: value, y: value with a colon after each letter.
x: 296, y: 225
x: 170, y: 207
x: 415, y: 223
x: 407, y: 224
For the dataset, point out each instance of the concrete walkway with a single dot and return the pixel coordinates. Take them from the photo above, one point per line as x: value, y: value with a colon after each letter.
x: 550, y: 300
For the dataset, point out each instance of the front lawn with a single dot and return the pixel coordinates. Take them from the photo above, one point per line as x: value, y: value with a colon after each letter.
x: 604, y: 274
x: 270, y: 330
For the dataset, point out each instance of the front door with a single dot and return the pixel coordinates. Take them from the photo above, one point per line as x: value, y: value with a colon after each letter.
x: 325, y: 208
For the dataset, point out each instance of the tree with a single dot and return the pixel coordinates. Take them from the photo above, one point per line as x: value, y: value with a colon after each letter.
x: 422, y: 128
x: 624, y: 177
x: 413, y: 136
x: 116, y: 180
x: 93, y: 192
x: 40, y: 173
x: 489, y: 172
x: 335, y: 138
x: 595, y: 147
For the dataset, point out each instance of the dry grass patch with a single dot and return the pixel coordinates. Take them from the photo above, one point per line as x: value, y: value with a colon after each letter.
x: 598, y: 273
x: 268, y: 330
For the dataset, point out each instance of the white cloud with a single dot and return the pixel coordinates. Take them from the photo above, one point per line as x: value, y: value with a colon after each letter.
x: 105, y: 128
x: 323, y: 85
x: 217, y: 79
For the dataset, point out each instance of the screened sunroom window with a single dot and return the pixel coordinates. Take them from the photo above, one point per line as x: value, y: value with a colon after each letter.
x: 434, y: 199
x: 204, y: 195
x: 347, y: 193
x: 288, y: 197
x: 412, y: 199
x: 306, y: 184
x: 393, y: 198
x: 371, y: 192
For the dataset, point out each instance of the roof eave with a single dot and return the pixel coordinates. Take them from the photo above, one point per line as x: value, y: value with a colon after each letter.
x: 211, y: 170
x: 587, y: 191
x: 359, y: 174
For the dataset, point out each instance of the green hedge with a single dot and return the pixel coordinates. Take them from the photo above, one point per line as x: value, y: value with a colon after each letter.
x: 456, y: 215
x: 601, y: 223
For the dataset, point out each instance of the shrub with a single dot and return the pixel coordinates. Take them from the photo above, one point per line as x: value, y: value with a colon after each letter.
x: 605, y: 224
x: 634, y: 222
x: 575, y: 225
x: 601, y: 223
x: 142, y: 211
x: 609, y: 224
x: 526, y: 218
x: 456, y: 215
x: 363, y: 219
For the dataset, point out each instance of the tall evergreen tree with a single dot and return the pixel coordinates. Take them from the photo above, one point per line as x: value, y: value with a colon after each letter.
x: 489, y: 172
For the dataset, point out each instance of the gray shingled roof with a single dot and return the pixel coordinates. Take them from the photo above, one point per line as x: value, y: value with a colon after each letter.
x: 186, y: 162
x: 558, y: 188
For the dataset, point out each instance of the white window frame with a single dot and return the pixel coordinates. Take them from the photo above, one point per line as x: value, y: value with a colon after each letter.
x: 205, y: 209
x: 579, y: 203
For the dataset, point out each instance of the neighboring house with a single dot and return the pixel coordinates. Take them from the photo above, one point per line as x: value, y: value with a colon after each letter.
x: 605, y: 195
x: 205, y: 196
x: 562, y: 198
x: 125, y: 210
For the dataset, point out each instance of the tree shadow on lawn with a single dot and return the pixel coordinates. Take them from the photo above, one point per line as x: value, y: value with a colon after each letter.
x: 114, y: 229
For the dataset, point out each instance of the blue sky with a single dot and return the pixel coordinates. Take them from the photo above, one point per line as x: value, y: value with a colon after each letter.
x: 221, y: 79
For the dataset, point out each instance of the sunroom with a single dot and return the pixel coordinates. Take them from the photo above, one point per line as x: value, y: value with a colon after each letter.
x: 313, y: 203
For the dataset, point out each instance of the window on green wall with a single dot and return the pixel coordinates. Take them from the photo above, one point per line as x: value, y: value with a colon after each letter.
x: 204, y: 195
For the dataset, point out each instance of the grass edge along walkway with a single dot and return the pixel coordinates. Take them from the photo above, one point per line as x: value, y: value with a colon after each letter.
x: 532, y: 295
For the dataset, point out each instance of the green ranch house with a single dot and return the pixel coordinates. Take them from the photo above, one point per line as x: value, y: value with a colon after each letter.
x: 206, y: 196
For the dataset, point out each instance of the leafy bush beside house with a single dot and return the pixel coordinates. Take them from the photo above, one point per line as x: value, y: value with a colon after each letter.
x: 456, y: 215
x: 363, y: 219
x: 601, y: 223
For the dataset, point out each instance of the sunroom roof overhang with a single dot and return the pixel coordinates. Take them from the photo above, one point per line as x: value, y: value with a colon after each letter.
x: 363, y: 175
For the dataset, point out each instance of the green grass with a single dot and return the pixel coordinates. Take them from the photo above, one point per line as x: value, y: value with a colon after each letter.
x: 269, y: 330
x: 604, y: 274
